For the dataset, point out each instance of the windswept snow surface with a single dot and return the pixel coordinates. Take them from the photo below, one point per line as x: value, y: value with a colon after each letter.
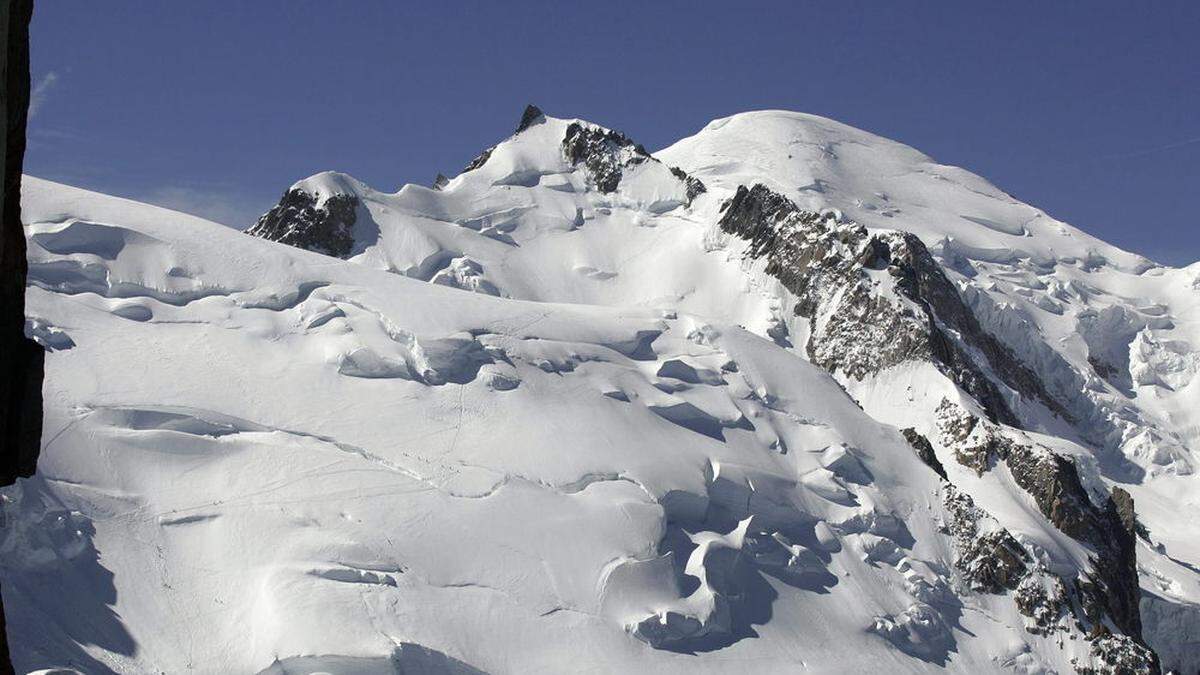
x: 534, y: 424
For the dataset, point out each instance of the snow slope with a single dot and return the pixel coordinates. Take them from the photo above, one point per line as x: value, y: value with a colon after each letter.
x: 551, y: 416
x: 1027, y: 272
x: 1114, y: 334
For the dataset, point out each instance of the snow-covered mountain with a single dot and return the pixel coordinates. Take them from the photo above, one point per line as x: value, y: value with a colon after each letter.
x: 783, y: 396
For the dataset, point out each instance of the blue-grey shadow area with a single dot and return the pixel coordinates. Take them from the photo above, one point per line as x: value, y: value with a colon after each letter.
x: 58, y: 596
x: 407, y: 659
x: 741, y: 576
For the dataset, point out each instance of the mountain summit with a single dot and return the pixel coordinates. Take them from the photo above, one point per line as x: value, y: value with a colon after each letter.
x: 782, y: 395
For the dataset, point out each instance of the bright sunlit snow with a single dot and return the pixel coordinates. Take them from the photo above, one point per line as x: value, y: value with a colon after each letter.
x: 528, y: 424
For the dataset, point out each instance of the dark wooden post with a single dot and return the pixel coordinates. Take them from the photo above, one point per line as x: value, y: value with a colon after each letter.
x: 21, y: 359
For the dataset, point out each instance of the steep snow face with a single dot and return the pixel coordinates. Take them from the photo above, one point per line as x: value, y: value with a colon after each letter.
x: 785, y: 394
x: 1067, y: 302
x: 1109, y: 334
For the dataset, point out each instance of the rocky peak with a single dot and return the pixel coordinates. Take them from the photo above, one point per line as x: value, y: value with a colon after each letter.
x: 317, y: 214
x: 531, y: 116
x: 858, y: 326
x: 606, y: 156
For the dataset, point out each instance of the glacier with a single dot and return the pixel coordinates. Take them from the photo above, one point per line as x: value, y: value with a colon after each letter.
x: 784, y: 396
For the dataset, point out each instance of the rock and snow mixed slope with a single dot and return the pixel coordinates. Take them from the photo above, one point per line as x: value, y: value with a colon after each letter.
x: 785, y: 395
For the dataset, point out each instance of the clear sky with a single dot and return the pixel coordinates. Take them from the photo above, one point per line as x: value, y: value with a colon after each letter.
x: 1089, y: 110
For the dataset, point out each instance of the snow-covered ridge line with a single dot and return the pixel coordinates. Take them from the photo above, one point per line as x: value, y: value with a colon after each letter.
x: 1003, y: 382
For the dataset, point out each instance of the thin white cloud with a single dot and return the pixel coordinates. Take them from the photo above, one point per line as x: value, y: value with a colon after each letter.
x: 1155, y: 149
x: 222, y: 206
x: 41, y: 90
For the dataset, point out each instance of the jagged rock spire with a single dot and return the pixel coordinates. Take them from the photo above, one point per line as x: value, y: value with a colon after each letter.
x: 531, y: 116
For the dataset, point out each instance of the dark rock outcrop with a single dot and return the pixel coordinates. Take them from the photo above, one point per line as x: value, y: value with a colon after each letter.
x: 825, y: 263
x: 1044, y: 599
x: 606, y: 154
x: 992, y: 560
x: 21, y: 359
x: 303, y: 221
x: 858, y: 328
x: 1110, y: 590
x: 924, y: 450
x: 1119, y: 655
x: 440, y: 182
x: 695, y: 188
x: 480, y: 160
x: 21, y: 383
x: 530, y: 117
x: 603, y: 152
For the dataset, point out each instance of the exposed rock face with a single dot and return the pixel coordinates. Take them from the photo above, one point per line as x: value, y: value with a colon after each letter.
x: 301, y: 220
x: 1111, y: 589
x: 924, y: 451
x: 976, y: 446
x: 694, y: 187
x: 1119, y: 655
x: 862, y: 321
x: 993, y: 561
x: 440, y: 182
x: 603, y: 152
x: 989, y: 557
x: 826, y: 264
x: 480, y: 160
x: 22, y: 361
x: 1043, y: 598
x: 606, y: 155
x: 530, y: 117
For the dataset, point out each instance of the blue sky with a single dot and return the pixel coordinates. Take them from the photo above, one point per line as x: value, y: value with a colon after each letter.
x: 1088, y: 110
